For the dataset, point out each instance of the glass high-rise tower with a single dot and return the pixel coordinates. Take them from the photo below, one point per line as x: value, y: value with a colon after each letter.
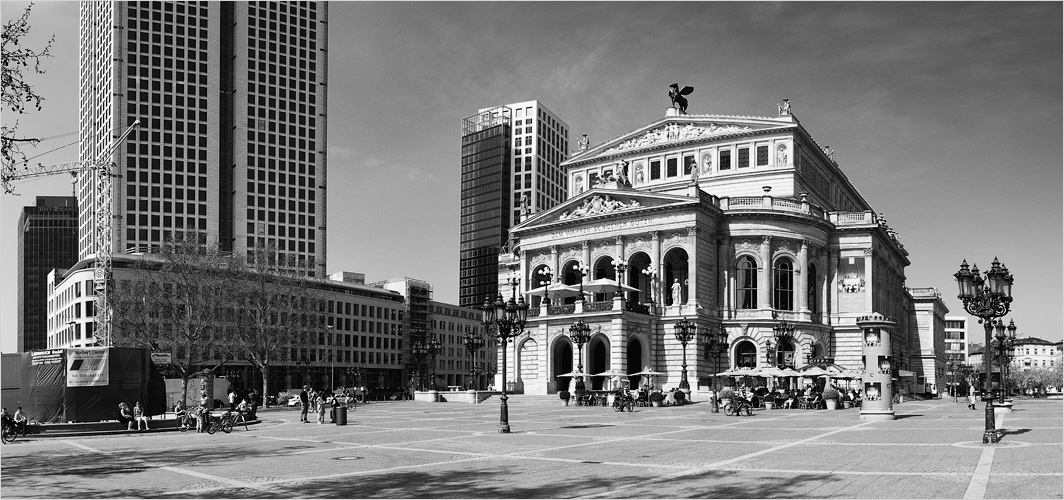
x: 511, y: 157
x: 231, y: 98
x: 47, y: 239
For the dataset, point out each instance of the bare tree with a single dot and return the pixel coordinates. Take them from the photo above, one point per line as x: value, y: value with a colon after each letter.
x: 17, y: 93
x: 280, y: 312
x: 178, y: 301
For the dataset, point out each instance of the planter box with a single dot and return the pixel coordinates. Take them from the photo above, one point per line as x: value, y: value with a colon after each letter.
x: 847, y: 404
x: 831, y: 404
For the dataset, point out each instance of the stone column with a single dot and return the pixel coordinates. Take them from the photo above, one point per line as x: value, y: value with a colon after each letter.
x: 659, y: 270
x: 869, y: 289
x: 803, y: 277
x: 764, y: 282
x: 554, y: 263
x: 585, y: 256
x: 727, y: 258
x: 832, y: 280
x: 692, y: 267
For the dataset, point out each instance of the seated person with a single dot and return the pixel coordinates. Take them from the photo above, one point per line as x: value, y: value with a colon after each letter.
x: 20, y: 421
x: 817, y: 402
x: 789, y: 401
x: 125, y: 415
x: 139, y: 416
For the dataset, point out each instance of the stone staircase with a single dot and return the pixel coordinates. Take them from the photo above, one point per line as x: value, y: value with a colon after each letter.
x: 527, y: 399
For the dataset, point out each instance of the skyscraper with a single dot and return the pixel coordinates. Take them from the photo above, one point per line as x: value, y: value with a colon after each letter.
x: 47, y: 239
x: 232, y: 106
x: 510, y: 167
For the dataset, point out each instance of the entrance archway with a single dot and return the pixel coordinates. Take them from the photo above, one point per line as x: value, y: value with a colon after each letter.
x: 786, y: 354
x: 598, y: 351
x: 562, y: 358
x: 745, y: 355
x: 676, y: 270
x: 635, y: 361
x: 637, y: 263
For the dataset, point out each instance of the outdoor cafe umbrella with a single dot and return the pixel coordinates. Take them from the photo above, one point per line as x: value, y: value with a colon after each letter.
x: 606, y: 285
x: 574, y: 374
x: 611, y: 374
x: 649, y: 373
x: 555, y: 291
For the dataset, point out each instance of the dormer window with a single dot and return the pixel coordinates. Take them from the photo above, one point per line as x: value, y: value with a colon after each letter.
x: 725, y: 160
x: 744, y: 157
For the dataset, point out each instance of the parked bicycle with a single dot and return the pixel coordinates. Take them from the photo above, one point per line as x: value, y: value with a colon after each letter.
x: 186, y: 419
x: 623, y: 401
x: 9, y: 432
x: 740, y: 407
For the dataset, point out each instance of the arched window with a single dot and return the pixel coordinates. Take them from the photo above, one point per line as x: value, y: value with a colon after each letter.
x: 812, y: 288
x: 783, y: 285
x: 746, y: 283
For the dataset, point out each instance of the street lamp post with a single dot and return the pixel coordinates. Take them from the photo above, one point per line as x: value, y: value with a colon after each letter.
x: 581, y: 270
x: 508, y: 319
x: 987, y: 299
x: 652, y: 277
x: 782, y: 330
x: 546, y: 275
x: 716, y: 344
x: 418, y: 350
x: 685, y: 331
x: 580, y: 334
x: 473, y: 343
x: 1005, y: 345
x: 619, y: 267
x: 434, y: 347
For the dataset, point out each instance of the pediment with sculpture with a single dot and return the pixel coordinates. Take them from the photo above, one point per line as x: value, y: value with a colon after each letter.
x: 676, y: 132
x: 598, y: 205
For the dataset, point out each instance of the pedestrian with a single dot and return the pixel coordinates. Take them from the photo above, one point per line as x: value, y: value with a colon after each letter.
x: 971, y: 400
x: 139, y: 416
x: 320, y: 404
x: 304, y: 400
x: 20, y: 421
x: 232, y: 400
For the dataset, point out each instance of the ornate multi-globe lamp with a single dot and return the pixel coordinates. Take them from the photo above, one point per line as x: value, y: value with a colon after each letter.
x: 685, y: 331
x: 987, y: 298
x: 508, y: 320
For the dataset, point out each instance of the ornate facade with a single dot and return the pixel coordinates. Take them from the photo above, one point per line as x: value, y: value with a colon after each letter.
x: 732, y: 222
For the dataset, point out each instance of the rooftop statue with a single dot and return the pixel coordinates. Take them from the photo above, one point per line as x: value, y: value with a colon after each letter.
x: 677, y: 95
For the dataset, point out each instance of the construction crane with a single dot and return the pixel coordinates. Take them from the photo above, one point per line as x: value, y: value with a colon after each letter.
x: 104, y: 169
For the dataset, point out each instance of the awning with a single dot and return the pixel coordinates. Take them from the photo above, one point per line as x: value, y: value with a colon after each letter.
x: 906, y: 373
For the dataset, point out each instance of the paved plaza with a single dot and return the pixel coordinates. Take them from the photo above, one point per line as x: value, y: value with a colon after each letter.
x: 430, y: 450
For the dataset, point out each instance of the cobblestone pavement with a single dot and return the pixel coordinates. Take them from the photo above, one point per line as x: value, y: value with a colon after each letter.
x: 453, y: 450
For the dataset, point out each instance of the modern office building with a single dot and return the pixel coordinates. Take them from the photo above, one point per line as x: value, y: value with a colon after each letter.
x: 359, y: 340
x: 957, y: 338
x: 742, y: 225
x: 511, y: 168
x: 47, y: 239
x: 232, y: 106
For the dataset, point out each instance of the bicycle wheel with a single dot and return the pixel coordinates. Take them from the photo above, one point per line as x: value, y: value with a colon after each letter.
x: 729, y: 409
x: 629, y: 405
x: 746, y: 410
x: 8, y: 435
x: 227, y: 426
x: 212, y: 427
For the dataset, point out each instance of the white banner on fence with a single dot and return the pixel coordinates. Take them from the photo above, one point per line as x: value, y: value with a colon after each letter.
x: 87, y: 367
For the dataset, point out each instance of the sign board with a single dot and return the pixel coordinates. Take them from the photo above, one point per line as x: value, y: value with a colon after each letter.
x: 49, y: 357
x: 87, y: 367
x: 160, y: 358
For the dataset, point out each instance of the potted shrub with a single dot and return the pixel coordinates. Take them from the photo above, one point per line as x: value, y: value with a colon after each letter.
x: 727, y: 394
x: 564, y: 396
x: 679, y: 397
x: 655, y: 398
x: 831, y: 398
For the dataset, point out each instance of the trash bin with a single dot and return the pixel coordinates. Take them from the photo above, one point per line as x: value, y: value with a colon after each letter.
x: 341, y: 415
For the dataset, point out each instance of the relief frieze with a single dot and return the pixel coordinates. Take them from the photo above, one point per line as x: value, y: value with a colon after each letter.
x: 677, y: 132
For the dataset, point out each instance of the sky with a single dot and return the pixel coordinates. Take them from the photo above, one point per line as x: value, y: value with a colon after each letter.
x: 946, y: 116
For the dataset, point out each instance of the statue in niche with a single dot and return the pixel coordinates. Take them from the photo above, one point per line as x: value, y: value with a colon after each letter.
x: 622, y: 177
x: 676, y: 94
x: 677, y: 293
x: 781, y: 155
x: 707, y: 163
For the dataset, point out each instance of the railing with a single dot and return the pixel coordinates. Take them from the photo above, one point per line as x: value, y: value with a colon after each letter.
x: 636, y: 308
x: 598, y: 306
x: 533, y: 311
x: 566, y: 309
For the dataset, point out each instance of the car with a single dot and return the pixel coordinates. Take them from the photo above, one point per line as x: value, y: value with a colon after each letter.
x: 293, y: 401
